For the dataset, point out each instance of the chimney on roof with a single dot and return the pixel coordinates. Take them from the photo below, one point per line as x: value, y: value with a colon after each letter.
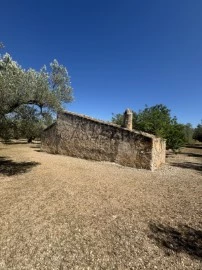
x: 128, y: 119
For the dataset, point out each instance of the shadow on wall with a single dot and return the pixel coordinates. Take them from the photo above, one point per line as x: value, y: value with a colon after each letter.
x: 9, y: 167
x: 183, y: 239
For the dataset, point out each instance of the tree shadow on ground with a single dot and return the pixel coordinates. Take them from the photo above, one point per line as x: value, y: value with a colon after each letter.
x: 188, y: 154
x: 37, y: 145
x: 9, y: 167
x: 181, y: 239
x: 194, y: 155
x: 196, y: 146
x: 18, y: 142
x: 188, y: 165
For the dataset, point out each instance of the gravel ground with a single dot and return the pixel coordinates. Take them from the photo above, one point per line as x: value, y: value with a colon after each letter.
x: 59, y: 212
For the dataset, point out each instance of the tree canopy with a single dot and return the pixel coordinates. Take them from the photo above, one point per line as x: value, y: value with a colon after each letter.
x: 198, y: 133
x: 157, y: 120
x: 47, y: 90
x: 189, y: 131
x: 28, y: 98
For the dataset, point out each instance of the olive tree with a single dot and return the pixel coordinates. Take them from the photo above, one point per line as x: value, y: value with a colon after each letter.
x: 47, y: 90
x: 19, y: 89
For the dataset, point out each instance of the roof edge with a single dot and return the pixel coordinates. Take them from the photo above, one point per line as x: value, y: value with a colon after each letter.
x: 107, y: 123
x: 52, y: 125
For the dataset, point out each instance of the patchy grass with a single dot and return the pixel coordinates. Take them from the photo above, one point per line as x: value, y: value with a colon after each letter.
x: 60, y: 212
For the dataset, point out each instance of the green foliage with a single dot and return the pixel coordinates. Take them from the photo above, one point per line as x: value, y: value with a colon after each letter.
x: 188, y: 132
x: 154, y: 120
x: 174, y: 135
x: 6, y: 128
x: 19, y: 88
x: 198, y: 133
x: 29, y: 122
x: 25, y: 122
x: 47, y: 90
x: 158, y: 121
x: 117, y: 119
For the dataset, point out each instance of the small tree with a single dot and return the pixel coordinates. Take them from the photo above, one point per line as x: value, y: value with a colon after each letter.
x: 198, y: 133
x: 158, y: 121
x: 174, y: 135
x: 155, y: 120
x: 188, y: 131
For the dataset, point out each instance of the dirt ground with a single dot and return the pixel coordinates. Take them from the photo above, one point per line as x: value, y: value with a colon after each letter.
x: 59, y: 212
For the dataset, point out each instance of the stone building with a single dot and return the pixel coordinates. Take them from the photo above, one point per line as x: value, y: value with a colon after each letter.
x: 84, y: 137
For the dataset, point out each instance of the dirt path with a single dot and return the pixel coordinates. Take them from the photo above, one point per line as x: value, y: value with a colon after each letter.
x: 59, y: 212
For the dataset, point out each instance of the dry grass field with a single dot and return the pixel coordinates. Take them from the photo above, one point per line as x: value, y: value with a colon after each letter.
x: 59, y: 212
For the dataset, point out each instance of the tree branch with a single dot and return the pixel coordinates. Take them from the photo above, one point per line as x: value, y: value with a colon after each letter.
x: 18, y: 104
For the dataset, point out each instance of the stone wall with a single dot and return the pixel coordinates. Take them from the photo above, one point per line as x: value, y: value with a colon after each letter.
x: 158, y: 153
x: 49, y: 139
x: 84, y: 137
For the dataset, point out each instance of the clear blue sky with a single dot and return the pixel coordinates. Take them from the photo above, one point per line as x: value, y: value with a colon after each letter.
x: 119, y: 54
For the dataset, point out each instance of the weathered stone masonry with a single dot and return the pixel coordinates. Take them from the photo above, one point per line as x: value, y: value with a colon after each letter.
x: 84, y: 137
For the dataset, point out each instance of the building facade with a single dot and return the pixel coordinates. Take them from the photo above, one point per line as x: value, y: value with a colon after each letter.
x: 84, y: 137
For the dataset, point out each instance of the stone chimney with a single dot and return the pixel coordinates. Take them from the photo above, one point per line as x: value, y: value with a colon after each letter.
x: 128, y: 119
